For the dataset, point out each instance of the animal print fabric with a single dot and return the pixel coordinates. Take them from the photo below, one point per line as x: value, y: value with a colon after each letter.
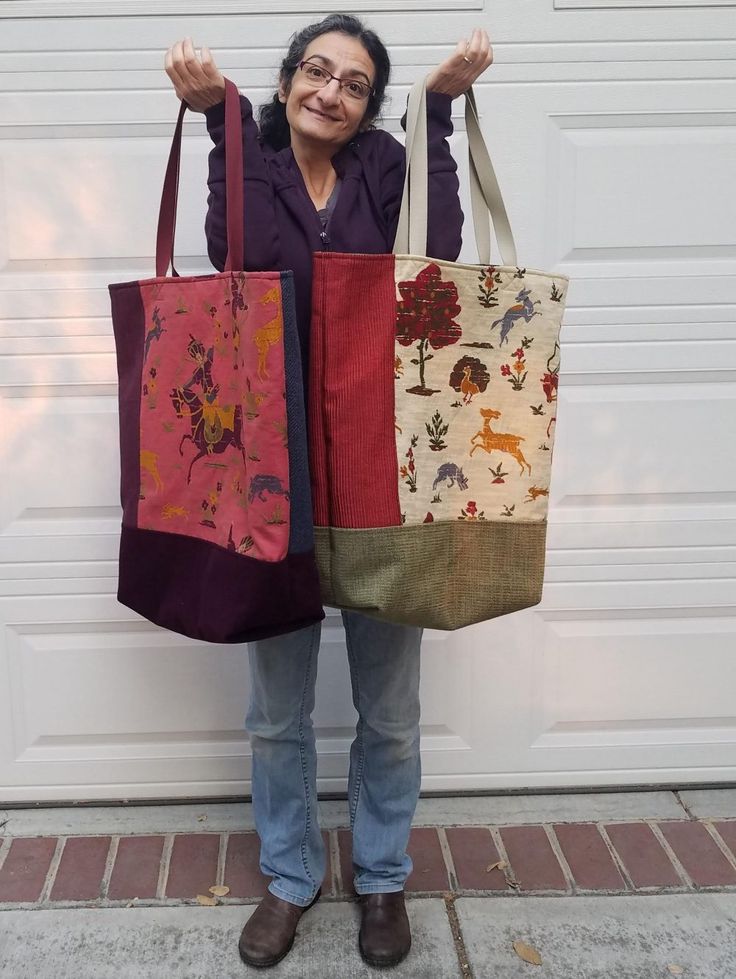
x: 432, y: 407
x: 214, y: 459
x: 476, y: 369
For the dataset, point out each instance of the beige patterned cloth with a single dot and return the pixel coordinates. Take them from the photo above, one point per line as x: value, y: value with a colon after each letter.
x: 477, y: 361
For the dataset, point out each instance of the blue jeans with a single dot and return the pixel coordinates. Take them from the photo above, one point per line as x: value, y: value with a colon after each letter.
x: 385, y: 768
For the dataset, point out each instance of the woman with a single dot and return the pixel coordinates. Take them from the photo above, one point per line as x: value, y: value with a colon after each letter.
x: 319, y: 176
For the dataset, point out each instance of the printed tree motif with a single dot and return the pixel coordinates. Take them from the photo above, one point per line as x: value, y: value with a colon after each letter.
x: 470, y: 512
x: 150, y: 387
x: 276, y: 518
x: 209, y: 507
x: 469, y: 376
x: 555, y: 295
x: 233, y: 293
x: 436, y: 429
x: 243, y: 547
x: 488, y: 280
x: 409, y: 472
x: 425, y: 316
x: 516, y: 375
x: 281, y: 428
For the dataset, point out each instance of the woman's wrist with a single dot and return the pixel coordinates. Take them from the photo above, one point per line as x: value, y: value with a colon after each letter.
x: 439, y: 89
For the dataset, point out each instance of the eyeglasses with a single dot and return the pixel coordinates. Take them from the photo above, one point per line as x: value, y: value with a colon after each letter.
x: 319, y: 77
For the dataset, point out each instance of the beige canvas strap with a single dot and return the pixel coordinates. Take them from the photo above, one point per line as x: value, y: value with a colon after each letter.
x: 485, y: 193
x: 411, y: 233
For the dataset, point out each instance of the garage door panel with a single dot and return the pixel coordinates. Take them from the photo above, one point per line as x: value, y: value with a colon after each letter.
x: 104, y: 196
x: 613, y: 142
x: 625, y: 678
x: 635, y: 162
x: 666, y: 439
x: 127, y: 700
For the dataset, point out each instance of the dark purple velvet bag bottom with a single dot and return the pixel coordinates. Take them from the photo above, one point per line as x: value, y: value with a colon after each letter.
x: 205, y: 592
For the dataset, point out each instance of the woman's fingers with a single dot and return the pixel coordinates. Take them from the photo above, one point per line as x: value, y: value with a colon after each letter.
x: 469, y: 60
x: 192, y: 65
x: 471, y: 46
x: 174, y: 65
x: 197, y: 82
x: 208, y: 64
x: 182, y: 58
x: 477, y: 51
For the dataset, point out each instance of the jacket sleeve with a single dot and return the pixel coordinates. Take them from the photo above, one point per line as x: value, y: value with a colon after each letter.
x: 445, y: 217
x: 261, y: 236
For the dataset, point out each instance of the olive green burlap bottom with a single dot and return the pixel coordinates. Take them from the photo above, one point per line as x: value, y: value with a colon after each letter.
x: 441, y: 575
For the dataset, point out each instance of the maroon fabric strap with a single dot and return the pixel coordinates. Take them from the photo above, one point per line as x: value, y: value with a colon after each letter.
x: 233, y: 187
x: 234, y: 179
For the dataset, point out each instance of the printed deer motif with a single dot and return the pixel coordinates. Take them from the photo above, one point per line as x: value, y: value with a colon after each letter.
x: 489, y: 440
x: 170, y: 511
x: 253, y: 401
x: 523, y: 309
x: 149, y: 464
x: 270, y: 333
x: 155, y: 332
x: 534, y: 492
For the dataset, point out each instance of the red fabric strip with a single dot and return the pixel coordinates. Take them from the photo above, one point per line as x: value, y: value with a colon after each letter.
x: 352, y: 444
x: 317, y: 438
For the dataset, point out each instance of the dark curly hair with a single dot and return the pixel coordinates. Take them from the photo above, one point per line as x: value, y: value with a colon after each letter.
x: 272, y: 120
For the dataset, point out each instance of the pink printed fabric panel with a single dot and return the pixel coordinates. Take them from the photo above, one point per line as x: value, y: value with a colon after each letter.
x: 213, y: 435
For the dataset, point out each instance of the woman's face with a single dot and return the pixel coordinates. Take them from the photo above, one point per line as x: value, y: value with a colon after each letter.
x: 326, y: 117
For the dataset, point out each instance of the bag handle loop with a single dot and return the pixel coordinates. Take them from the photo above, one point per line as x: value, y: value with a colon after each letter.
x: 485, y: 193
x: 233, y: 189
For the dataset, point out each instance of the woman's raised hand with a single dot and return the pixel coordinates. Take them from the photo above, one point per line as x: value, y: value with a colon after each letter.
x: 458, y: 72
x: 198, y: 82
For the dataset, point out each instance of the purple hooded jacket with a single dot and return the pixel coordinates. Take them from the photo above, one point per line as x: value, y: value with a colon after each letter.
x: 282, y: 226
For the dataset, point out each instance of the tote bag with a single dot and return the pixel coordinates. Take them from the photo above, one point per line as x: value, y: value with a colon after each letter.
x: 432, y: 411
x: 216, y: 540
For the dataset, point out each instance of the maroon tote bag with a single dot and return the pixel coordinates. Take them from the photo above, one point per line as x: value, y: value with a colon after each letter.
x: 217, y: 537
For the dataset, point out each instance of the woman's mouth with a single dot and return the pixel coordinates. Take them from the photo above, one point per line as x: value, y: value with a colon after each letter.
x: 320, y: 115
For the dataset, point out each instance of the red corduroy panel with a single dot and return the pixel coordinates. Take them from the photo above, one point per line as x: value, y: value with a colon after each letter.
x: 315, y: 414
x: 355, y: 302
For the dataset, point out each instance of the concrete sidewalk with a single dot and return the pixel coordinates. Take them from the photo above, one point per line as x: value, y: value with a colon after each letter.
x: 577, y: 938
x: 583, y: 928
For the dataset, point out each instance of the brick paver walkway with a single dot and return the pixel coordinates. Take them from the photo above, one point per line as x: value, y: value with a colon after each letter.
x: 668, y: 856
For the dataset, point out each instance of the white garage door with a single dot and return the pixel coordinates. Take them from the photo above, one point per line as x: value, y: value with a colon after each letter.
x: 614, y: 136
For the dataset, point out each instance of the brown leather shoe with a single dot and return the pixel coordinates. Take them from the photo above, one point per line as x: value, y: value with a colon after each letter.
x: 385, y: 937
x: 269, y: 932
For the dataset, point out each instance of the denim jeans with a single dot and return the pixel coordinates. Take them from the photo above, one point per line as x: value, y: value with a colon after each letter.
x: 385, y: 768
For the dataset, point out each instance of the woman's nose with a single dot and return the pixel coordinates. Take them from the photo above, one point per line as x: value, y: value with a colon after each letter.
x: 330, y: 93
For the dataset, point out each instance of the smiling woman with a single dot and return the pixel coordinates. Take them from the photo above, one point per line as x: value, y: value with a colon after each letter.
x: 320, y: 176
x: 322, y: 113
